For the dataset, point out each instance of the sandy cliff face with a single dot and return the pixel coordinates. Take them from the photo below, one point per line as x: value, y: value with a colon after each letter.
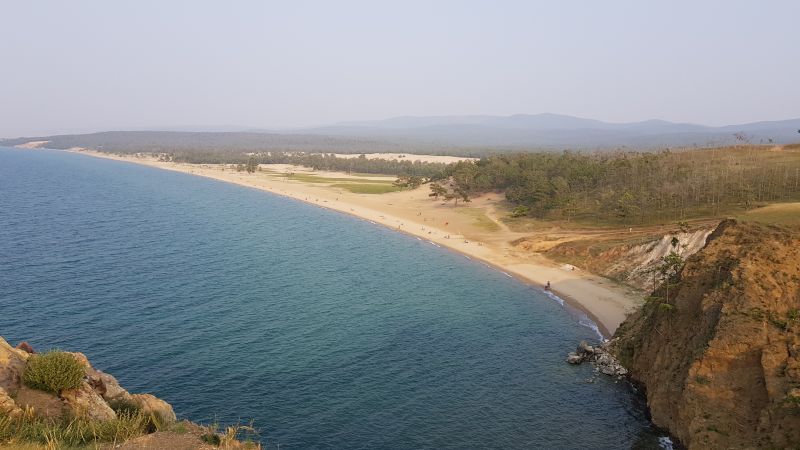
x: 719, y: 355
x: 630, y: 262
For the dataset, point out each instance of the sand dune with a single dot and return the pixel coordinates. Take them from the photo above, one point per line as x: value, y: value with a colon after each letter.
x: 32, y: 144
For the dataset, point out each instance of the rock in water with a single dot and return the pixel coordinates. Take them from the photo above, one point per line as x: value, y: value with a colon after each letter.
x: 585, y: 349
x: 603, y: 361
x: 574, y: 358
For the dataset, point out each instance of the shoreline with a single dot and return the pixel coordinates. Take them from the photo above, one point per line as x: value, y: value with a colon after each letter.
x: 580, y: 292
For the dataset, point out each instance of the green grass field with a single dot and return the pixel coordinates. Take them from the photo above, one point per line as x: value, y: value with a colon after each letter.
x: 479, y: 218
x: 368, y: 188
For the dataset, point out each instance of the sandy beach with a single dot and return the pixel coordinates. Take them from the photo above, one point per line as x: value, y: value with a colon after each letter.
x: 472, y: 230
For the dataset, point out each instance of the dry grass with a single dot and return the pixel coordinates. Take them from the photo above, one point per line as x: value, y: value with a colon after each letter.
x: 72, y: 433
x: 776, y: 214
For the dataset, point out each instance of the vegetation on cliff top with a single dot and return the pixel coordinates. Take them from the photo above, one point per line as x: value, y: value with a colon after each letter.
x: 57, y: 400
x: 75, y: 432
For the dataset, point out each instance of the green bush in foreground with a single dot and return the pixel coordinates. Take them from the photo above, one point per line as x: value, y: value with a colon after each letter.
x: 53, y: 371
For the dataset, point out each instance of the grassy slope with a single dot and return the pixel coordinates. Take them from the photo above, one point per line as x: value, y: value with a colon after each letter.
x: 778, y: 213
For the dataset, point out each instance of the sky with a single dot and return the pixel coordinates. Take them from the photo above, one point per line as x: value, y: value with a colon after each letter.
x: 82, y: 66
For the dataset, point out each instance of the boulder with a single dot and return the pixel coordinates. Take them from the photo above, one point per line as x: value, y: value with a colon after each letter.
x: 43, y: 404
x: 113, y: 393
x: 85, y: 402
x: 12, y: 365
x: 584, y: 349
x: 598, y: 355
x: 574, y: 358
x: 150, y: 404
x: 8, y: 406
x: 111, y: 387
x: 24, y: 346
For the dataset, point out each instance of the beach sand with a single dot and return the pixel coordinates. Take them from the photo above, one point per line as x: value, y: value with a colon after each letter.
x: 32, y: 144
x: 472, y: 230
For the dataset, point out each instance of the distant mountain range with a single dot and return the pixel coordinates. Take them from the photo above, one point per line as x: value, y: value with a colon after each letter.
x: 439, y: 134
x: 559, y: 131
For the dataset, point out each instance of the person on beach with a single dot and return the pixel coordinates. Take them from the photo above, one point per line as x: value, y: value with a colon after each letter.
x: 547, y: 286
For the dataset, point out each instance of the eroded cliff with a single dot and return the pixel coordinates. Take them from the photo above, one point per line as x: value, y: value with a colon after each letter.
x: 718, y: 350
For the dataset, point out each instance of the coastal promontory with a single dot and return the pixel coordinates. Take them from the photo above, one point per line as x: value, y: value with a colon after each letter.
x: 717, y: 347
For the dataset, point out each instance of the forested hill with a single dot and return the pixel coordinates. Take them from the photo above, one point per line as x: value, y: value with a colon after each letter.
x: 633, y: 187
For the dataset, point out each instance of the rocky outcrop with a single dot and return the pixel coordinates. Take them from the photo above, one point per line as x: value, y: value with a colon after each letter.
x: 86, y: 401
x: 153, y: 405
x: 12, y: 364
x: 8, y: 406
x: 98, y: 397
x: 43, y: 404
x: 717, y: 350
x: 603, y: 361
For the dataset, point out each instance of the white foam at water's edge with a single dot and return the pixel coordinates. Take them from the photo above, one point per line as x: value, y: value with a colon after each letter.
x: 582, y: 320
x: 665, y: 443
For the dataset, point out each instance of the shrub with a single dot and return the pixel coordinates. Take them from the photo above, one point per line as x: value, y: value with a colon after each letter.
x: 53, y: 372
x: 520, y: 211
x: 666, y: 307
x: 211, y: 438
x: 702, y: 380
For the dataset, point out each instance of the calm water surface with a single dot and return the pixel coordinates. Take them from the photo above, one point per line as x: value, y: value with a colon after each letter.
x: 330, y: 332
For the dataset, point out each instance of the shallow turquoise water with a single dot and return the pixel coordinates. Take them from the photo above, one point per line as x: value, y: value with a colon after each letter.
x: 328, y: 331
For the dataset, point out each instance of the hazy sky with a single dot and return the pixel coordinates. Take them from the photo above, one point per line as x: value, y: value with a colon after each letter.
x: 73, y: 66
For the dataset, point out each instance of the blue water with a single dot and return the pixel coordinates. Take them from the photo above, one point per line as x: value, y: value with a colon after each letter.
x: 327, y: 331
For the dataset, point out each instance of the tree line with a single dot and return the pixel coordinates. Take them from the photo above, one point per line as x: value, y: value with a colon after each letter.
x: 316, y: 161
x: 631, y: 187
